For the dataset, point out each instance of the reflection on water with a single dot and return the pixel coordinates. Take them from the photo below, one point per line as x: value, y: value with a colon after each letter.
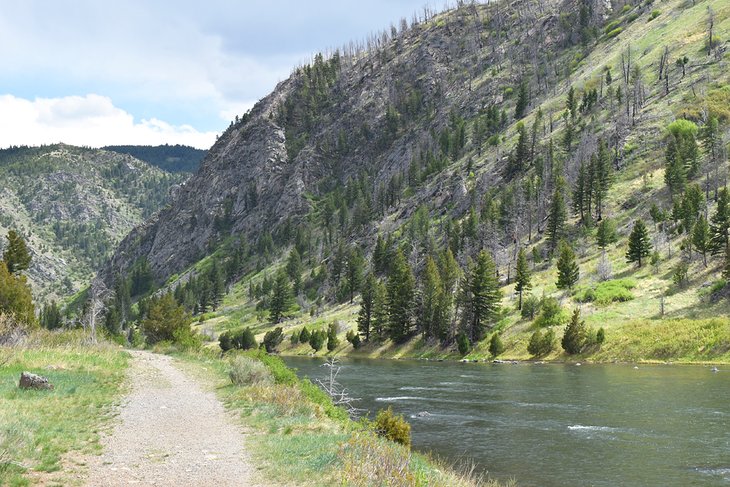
x: 557, y: 425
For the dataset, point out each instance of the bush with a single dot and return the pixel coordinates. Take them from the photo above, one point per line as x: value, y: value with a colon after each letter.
x: 462, y: 342
x: 530, y: 307
x: 600, y: 336
x: 166, y: 321
x: 496, y: 347
x: 246, y: 371
x: 614, y: 32
x: 551, y: 314
x: 354, y: 339
x: 611, y: 26
x: 241, y: 340
x: 574, y: 338
x: 316, y: 340
x: 393, y: 427
x: 273, y: 339
x: 332, y: 340
x: 607, y: 292
x: 679, y: 276
x: 654, y: 14
x: 541, y: 344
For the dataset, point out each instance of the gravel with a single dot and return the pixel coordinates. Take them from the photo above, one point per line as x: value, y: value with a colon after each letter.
x: 171, y: 431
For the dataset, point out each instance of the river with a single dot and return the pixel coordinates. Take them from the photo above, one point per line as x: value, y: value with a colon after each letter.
x: 556, y: 425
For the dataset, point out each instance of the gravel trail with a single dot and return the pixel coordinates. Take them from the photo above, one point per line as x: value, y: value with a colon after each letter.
x: 171, y: 432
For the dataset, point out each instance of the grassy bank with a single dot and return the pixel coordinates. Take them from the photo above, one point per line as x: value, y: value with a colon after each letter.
x: 301, y: 438
x: 43, y: 433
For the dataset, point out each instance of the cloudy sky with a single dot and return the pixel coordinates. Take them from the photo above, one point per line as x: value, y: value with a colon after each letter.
x: 94, y: 72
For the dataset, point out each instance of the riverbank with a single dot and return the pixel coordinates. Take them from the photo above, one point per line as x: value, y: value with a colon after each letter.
x: 299, y: 438
x: 681, y: 341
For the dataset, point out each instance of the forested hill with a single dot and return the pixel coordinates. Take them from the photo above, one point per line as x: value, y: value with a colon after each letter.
x: 470, y: 146
x: 170, y: 158
x: 73, y: 205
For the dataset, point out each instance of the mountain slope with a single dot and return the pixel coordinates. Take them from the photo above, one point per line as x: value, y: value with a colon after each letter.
x: 417, y: 138
x: 73, y: 205
x: 170, y: 158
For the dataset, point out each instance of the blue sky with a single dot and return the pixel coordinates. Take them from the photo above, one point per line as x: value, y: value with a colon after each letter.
x: 150, y: 72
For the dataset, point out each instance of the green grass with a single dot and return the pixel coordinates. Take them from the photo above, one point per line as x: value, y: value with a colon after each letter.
x: 41, y: 431
x: 300, y: 438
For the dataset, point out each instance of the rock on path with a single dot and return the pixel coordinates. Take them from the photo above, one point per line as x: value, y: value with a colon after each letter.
x: 171, y: 432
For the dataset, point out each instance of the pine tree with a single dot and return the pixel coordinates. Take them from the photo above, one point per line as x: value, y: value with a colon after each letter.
x: 568, y: 271
x: 304, y: 335
x: 380, y: 312
x: 720, y: 224
x: 522, y: 101
x: 606, y: 233
x: 701, y: 238
x: 571, y: 103
x: 639, y: 243
x: 602, y: 176
x: 380, y: 256
x: 294, y: 270
x: 401, y: 288
x: 431, y: 315
x: 332, y: 340
x: 16, y: 256
x: 51, y: 316
x: 483, y: 296
x: 365, y: 315
x: 574, y: 337
x: 580, y: 191
x: 556, y: 216
x: 15, y: 296
x: 353, y: 273
x: 726, y: 264
x: 519, y: 159
x: 281, y: 299
x: 524, y: 276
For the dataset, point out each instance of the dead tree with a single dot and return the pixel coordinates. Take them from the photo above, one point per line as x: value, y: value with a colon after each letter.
x: 339, y: 394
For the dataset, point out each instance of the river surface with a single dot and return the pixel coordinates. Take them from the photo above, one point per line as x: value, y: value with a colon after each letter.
x: 557, y: 425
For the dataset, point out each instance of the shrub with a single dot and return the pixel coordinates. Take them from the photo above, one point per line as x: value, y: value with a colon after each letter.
x: 332, y: 340
x: 654, y: 14
x: 611, y: 26
x: 462, y: 342
x: 246, y: 371
x: 551, y: 314
x: 600, y: 336
x: 575, y: 334
x: 530, y: 307
x: 541, y: 344
x: 496, y: 347
x: 273, y: 338
x: 316, y: 340
x: 393, y: 427
x: 166, y: 321
x: 679, y: 276
x: 607, y: 292
x: 614, y: 32
x: 354, y: 339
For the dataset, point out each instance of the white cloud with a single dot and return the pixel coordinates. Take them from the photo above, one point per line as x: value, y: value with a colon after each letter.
x: 90, y: 120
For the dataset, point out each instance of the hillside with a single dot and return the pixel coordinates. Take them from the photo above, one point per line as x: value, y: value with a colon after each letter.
x: 502, y: 127
x: 170, y: 158
x: 73, y: 205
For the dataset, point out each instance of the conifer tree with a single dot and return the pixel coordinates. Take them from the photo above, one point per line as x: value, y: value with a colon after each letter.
x: 281, y: 298
x: 602, y: 175
x: 432, y: 315
x: 482, y: 296
x: 379, y: 318
x: 16, y: 256
x: 365, y: 315
x: 522, y: 101
x: 639, y: 243
x: 575, y: 334
x: 524, y: 276
x: 15, y: 296
x: 556, y: 216
x: 726, y: 264
x: 332, y: 340
x: 568, y: 271
x: 294, y: 270
x: 304, y: 335
x: 720, y: 224
x: 401, y: 288
x: 701, y: 237
x: 606, y: 233
x: 519, y: 159
x: 353, y: 272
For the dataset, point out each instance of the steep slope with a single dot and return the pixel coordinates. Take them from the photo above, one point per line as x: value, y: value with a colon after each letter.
x: 417, y: 137
x: 74, y: 205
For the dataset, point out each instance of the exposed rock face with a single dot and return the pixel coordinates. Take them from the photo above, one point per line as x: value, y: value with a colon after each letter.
x: 455, y: 63
x: 33, y: 381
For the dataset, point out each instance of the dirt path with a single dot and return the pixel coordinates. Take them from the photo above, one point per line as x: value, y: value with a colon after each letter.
x: 171, y: 432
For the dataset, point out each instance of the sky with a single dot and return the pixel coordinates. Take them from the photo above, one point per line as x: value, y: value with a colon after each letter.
x: 149, y: 72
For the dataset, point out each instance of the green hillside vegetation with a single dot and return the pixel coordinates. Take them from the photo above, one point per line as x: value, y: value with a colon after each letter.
x: 170, y: 158
x: 607, y: 176
x: 73, y: 205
